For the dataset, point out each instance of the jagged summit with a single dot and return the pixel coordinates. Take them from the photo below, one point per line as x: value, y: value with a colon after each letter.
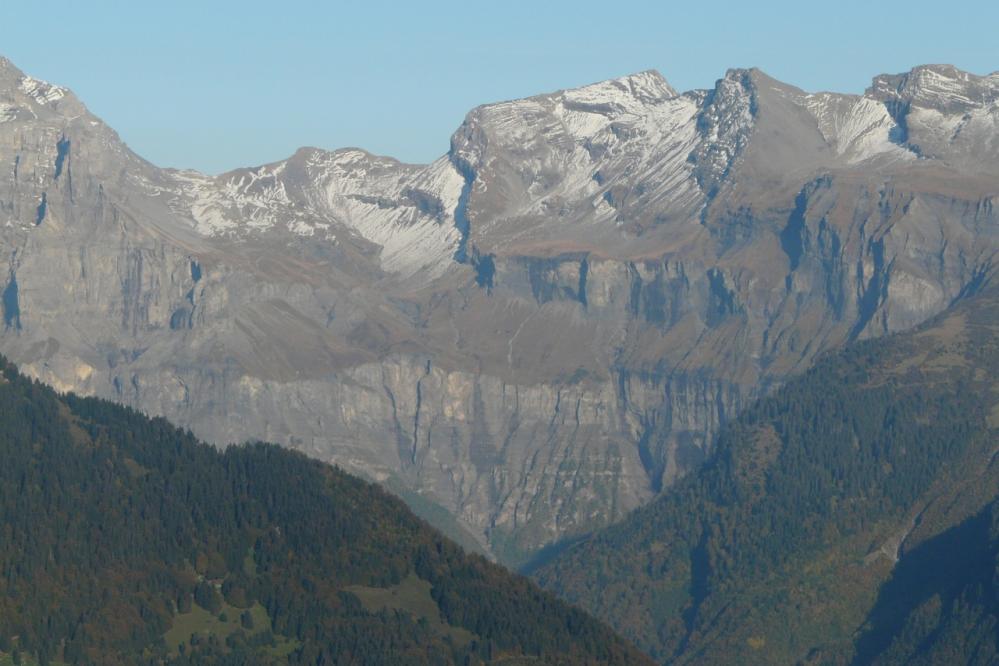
x: 8, y: 70
x: 10, y: 75
x: 16, y: 84
x: 25, y: 98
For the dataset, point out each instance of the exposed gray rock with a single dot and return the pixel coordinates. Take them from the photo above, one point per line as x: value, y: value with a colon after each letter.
x: 538, y: 331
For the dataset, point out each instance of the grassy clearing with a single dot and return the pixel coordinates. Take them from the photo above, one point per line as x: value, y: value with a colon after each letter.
x: 203, y: 624
x: 7, y: 659
x: 412, y: 595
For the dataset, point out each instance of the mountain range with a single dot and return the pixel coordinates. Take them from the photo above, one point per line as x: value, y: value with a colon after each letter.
x: 533, y: 335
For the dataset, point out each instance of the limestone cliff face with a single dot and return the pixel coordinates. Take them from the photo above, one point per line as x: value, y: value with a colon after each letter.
x: 539, y: 331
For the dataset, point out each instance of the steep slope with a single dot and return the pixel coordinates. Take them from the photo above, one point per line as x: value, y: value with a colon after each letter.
x: 534, y: 334
x: 127, y: 541
x: 849, y: 517
x: 941, y: 605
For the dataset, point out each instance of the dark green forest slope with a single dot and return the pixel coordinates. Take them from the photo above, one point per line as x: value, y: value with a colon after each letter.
x: 126, y: 541
x: 849, y: 518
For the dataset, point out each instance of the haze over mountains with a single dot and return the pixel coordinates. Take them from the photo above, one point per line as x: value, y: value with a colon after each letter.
x: 539, y: 331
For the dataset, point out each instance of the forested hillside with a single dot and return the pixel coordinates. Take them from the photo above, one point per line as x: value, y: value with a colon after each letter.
x: 849, y: 518
x: 127, y: 541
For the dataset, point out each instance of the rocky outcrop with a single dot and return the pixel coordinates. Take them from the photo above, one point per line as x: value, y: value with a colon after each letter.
x: 537, y: 332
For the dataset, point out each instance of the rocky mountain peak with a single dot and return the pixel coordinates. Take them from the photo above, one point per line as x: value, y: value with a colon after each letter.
x: 944, y: 88
x: 944, y: 113
x: 8, y: 71
x: 23, y: 97
x: 575, y: 113
x: 622, y: 94
x: 724, y: 122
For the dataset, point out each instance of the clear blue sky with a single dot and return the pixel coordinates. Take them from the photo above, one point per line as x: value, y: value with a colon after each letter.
x: 217, y: 84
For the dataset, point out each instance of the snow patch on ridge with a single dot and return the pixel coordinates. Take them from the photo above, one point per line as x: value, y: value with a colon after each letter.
x: 857, y: 128
x: 404, y: 209
x: 595, y: 155
x: 629, y: 94
x: 41, y: 91
x: 8, y: 112
x: 252, y: 199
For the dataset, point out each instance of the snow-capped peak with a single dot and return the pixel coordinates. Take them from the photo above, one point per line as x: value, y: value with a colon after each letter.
x: 648, y: 87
